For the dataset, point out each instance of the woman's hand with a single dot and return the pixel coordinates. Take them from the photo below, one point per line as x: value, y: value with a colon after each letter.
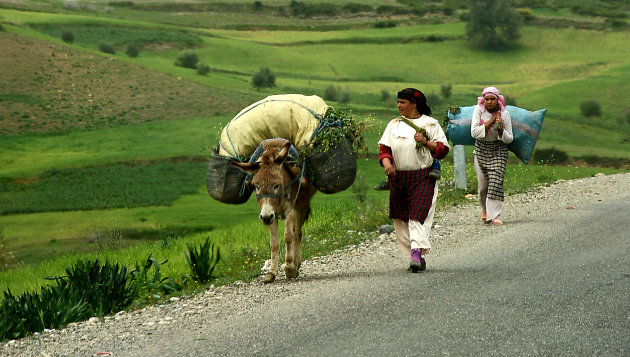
x: 420, y: 138
x: 499, y: 122
x: 390, y: 170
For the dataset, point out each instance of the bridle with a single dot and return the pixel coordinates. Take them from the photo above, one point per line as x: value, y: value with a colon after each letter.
x: 280, y: 195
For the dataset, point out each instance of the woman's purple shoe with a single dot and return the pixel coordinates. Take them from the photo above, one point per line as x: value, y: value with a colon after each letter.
x: 417, y: 262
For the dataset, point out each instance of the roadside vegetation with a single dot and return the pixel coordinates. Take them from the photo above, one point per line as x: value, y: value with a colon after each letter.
x: 110, y: 111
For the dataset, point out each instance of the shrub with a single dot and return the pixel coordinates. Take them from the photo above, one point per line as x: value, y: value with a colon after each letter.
x: 203, y: 261
x: 89, y: 289
x: 446, y: 90
x: 526, y: 14
x: 384, y: 24
x: 258, y: 6
x: 433, y: 100
x: 203, y: 69
x: 67, y: 36
x: 103, y: 287
x: 106, y: 48
x: 133, y: 50
x: 264, y: 78
x: 510, y: 100
x: 331, y: 93
x: 145, y: 283
x: 346, y: 97
x: 384, y: 95
x: 550, y: 156
x: 187, y: 60
x: 591, y: 108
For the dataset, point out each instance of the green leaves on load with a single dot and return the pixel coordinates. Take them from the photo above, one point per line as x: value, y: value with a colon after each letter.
x: 203, y: 260
x: 340, y: 125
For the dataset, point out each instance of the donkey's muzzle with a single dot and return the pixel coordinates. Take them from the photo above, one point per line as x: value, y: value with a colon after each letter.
x: 267, y: 218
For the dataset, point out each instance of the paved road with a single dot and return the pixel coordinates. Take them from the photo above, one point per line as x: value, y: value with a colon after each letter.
x: 557, y: 287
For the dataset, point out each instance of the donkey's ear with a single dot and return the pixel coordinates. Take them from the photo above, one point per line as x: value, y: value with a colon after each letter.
x: 282, y: 155
x: 249, y: 167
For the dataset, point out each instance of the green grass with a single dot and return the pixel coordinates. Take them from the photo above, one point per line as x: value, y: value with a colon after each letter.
x: 89, y: 34
x: 29, y: 155
x: 244, y: 241
x: 104, y: 187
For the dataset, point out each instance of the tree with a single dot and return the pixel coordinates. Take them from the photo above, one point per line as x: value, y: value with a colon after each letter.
x: 133, y: 50
x: 187, y: 60
x: 446, y: 90
x: 264, y: 78
x: 492, y: 24
x: 591, y: 108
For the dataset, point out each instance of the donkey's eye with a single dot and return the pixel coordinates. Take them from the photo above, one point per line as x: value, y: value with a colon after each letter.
x: 257, y: 187
x: 276, y: 187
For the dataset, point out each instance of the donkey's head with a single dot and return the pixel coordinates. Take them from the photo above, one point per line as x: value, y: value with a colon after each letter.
x: 269, y: 180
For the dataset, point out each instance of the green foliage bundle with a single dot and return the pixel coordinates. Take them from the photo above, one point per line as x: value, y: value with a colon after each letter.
x: 89, y: 289
x: 336, y: 126
x: 591, y: 108
x: 492, y: 24
x: 187, y: 60
x: 202, y: 260
x: 264, y: 78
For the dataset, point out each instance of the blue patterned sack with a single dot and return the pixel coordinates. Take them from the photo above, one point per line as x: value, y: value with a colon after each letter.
x: 526, y: 126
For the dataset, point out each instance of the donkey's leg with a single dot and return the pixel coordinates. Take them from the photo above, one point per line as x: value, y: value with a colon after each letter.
x: 274, y: 244
x: 300, y: 218
x: 291, y: 268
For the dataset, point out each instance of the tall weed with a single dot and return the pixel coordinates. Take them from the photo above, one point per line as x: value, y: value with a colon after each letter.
x: 203, y: 260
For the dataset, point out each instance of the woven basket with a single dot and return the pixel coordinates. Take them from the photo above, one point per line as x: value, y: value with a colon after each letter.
x: 225, y: 182
x: 333, y: 170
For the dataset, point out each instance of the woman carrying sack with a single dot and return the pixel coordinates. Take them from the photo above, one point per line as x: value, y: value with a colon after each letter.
x: 491, y: 128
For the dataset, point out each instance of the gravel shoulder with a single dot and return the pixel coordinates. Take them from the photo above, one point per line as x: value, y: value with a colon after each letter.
x: 129, y: 333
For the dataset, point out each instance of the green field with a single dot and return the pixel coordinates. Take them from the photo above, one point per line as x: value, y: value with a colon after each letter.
x: 93, y: 143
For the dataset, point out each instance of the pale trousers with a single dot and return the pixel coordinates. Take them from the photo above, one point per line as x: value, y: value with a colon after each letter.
x: 491, y: 206
x: 414, y: 235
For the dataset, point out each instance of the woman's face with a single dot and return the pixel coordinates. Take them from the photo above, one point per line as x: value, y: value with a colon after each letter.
x: 490, y: 101
x: 407, y: 109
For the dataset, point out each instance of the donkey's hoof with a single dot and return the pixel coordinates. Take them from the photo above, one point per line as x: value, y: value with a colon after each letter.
x: 291, y: 272
x: 269, y: 278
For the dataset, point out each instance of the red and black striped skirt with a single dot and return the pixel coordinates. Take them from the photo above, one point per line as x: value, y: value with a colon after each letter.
x: 410, y: 195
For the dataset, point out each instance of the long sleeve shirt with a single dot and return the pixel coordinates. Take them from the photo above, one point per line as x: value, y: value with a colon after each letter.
x: 398, y: 144
x: 479, y: 132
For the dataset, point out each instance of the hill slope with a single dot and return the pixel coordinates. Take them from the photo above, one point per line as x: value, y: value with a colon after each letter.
x: 52, y: 87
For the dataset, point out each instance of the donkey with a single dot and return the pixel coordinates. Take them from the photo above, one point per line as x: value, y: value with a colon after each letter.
x: 282, y: 193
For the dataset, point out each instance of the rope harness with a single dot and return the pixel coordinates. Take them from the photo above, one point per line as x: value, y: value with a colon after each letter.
x: 281, y: 195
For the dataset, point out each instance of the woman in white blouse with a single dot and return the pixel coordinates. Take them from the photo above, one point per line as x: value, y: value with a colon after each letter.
x: 407, y: 156
x: 491, y: 128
